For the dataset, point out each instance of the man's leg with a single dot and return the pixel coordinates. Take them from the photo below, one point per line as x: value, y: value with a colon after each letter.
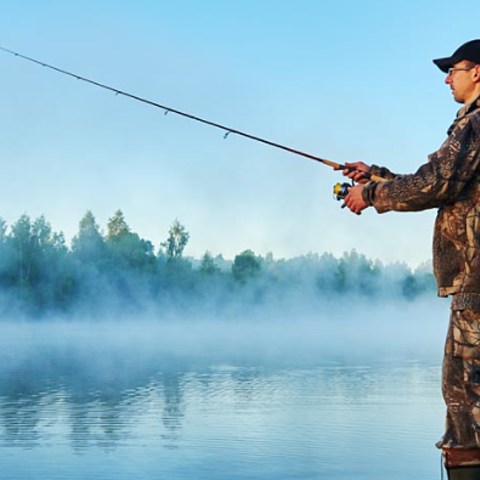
x: 461, y: 391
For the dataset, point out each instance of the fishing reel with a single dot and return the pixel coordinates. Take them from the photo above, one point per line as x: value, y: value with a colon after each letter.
x: 340, y: 190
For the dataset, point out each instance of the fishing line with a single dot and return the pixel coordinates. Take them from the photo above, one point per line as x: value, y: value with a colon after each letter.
x: 227, y: 130
x: 167, y: 109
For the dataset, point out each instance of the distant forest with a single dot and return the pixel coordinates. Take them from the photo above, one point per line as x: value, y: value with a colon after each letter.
x: 118, y: 271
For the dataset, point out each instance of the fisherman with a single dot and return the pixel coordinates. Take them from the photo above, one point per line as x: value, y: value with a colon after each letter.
x: 449, y: 181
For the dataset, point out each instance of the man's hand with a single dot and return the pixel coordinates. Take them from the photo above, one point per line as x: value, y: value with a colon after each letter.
x: 356, y: 171
x: 354, y: 200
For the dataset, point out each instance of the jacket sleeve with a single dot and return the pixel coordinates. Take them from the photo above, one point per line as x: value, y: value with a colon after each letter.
x: 382, y: 172
x: 436, y: 183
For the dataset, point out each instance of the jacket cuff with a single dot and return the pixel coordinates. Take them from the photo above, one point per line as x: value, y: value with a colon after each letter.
x: 368, y: 192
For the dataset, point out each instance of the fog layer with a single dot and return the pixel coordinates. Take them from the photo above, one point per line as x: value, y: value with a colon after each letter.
x: 118, y: 274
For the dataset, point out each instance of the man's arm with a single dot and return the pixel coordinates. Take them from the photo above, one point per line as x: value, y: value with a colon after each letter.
x: 356, y: 171
x: 435, y: 183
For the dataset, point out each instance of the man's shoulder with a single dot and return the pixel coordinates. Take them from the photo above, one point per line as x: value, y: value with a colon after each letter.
x: 470, y: 120
x: 474, y: 120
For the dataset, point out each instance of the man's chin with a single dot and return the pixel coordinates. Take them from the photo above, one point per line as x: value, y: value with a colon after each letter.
x: 457, y: 99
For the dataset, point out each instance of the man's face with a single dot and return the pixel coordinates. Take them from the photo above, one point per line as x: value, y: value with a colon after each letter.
x: 463, y: 79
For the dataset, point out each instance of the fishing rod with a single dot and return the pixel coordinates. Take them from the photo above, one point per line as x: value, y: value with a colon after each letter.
x: 340, y: 190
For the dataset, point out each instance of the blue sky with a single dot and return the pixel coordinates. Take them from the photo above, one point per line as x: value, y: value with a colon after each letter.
x: 345, y: 80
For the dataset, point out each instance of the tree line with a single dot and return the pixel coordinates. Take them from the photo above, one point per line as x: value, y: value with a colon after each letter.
x: 118, y: 271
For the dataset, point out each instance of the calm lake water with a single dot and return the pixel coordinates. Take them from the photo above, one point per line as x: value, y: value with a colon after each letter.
x: 123, y: 401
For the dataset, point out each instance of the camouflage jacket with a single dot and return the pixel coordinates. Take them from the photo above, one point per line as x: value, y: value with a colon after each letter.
x: 449, y: 181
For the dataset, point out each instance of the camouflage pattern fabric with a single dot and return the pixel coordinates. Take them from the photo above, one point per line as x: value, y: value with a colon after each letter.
x: 449, y: 181
x: 461, y: 381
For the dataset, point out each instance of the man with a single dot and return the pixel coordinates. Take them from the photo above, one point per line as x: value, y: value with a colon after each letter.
x: 449, y: 181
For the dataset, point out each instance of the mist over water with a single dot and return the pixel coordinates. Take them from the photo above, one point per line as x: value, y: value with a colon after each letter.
x: 336, y: 330
x: 267, y: 391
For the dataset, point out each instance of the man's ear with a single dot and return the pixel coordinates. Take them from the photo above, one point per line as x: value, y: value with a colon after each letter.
x: 476, y: 73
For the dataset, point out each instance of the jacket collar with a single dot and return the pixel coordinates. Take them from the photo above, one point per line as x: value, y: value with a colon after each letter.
x: 464, y: 111
x: 468, y: 108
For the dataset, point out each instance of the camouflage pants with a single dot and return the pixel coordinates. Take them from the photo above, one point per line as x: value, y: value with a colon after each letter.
x: 461, y: 381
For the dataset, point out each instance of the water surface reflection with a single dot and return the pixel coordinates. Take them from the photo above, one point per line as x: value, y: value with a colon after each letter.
x: 74, y: 407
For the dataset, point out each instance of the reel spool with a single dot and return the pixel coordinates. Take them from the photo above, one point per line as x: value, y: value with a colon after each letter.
x: 340, y: 190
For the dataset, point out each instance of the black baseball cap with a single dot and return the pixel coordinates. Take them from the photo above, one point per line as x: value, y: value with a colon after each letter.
x: 468, y: 51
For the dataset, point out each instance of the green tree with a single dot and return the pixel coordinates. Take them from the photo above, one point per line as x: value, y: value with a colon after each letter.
x: 3, y: 230
x: 246, y: 265
x: 5, y: 254
x: 40, y: 268
x: 88, y: 245
x: 87, y: 227
x: 208, y: 265
x: 22, y: 245
x: 117, y: 226
x: 358, y: 274
x: 176, y: 242
x: 126, y: 249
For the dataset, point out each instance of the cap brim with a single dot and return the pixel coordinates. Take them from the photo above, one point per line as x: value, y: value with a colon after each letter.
x: 444, y: 63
